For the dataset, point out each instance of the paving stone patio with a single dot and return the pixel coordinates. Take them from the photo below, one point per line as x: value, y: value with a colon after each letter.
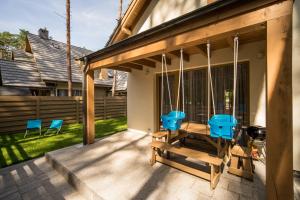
x: 34, y: 180
x: 118, y: 167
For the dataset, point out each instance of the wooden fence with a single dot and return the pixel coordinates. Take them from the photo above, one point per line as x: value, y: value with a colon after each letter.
x: 16, y: 110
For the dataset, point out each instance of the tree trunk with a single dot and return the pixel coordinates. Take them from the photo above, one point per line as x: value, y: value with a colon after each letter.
x: 113, y: 90
x: 120, y: 10
x: 69, y: 49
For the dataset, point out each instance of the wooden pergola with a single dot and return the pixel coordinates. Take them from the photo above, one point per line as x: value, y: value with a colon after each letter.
x: 219, y: 22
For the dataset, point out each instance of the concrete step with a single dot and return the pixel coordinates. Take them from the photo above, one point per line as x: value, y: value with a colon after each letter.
x: 81, y: 188
x: 35, y: 179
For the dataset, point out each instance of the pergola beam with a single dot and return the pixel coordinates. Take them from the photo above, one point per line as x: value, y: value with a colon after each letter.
x: 132, y: 66
x: 227, y: 27
x: 124, y: 69
x: 186, y: 57
x: 279, y: 109
x: 202, y: 49
x: 145, y: 62
x: 90, y: 107
x: 157, y: 58
x: 126, y: 31
x: 230, y: 42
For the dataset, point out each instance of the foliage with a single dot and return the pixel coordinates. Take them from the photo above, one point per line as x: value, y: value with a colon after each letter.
x: 11, y: 41
x: 14, y: 148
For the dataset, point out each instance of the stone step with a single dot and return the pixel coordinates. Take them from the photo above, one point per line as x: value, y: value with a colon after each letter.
x: 35, y: 179
x: 83, y: 189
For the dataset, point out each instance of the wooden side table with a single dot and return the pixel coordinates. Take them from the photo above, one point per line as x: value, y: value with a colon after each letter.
x: 241, y: 162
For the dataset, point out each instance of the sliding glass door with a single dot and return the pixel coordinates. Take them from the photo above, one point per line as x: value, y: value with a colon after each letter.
x: 195, y: 85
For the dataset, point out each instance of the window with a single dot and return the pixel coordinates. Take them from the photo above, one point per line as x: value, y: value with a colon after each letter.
x: 64, y: 92
x: 195, y: 83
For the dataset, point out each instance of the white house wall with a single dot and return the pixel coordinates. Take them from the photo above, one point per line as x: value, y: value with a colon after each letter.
x: 142, y: 105
x: 160, y: 11
x: 296, y: 85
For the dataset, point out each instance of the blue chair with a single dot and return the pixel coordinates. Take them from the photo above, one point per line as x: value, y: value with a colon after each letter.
x: 56, y: 124
x: 34, y: 124
x: 173, y: 120
x: 222, y: 125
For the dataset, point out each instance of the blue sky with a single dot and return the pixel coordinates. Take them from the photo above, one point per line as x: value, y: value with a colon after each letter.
x: 92, y: 21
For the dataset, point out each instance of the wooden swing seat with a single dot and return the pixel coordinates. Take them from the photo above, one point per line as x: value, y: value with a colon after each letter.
x: 214, y: 162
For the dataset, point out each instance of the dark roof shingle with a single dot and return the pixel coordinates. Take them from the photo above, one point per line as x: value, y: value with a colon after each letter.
x: 20, y: 73
x: 50, y: 56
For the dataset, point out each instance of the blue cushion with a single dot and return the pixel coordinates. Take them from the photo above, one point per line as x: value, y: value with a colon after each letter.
x: 222, y: 125
x: 36, y: 123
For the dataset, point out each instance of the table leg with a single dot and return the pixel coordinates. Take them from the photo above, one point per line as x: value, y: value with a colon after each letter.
x: 168, y: 141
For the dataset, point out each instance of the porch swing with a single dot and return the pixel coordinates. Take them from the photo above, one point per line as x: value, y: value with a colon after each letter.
x: 172, y: 121
x: 223, y: 125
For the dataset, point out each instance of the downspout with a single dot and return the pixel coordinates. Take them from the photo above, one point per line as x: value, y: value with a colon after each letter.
x: 84, y: 100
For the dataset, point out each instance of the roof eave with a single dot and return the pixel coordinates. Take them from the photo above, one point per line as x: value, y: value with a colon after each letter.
x: 200, y: 12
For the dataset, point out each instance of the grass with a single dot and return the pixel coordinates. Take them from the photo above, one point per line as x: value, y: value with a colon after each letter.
x: 14, y: 148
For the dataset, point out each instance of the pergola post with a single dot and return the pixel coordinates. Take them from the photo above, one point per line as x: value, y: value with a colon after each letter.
x: 90, y: 108
x: 279, y: 109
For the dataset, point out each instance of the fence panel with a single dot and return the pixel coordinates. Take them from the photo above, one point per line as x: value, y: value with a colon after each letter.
x: 16, y: 110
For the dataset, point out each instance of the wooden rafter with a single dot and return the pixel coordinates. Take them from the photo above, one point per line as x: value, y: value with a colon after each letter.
x: 133, y: 66
x: 157, y: 58
x: 202, y: 49
x: 186, y: 57
x: 145, y: 62
x: 229, y: 41
x: 126, y: 30
x: 124, y: 69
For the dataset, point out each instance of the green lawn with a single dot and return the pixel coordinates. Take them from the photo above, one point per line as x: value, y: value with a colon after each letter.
x: 14, y: 148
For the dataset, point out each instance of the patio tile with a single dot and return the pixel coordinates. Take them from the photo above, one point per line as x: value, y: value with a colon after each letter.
x: 13, y: 196
x: 203, y: 187
x: 224, y: 182
x: 28, y: 187
x: 231, y: 177
x: 220, y: 193
x: 8, y: 191
x: 240, y: 188
x: 34, y: 179
x: 6, y: 181
x: 259, y: 194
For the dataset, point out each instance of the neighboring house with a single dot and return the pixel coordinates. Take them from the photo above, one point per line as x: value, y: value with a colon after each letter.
x: 41, y: 70
x: 268, y: 74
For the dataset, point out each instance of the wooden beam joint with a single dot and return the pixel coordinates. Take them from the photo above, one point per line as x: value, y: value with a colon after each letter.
x: 186, y: 57
x: 133, y: 66
x: 157, y: 58
x: 145, y: 62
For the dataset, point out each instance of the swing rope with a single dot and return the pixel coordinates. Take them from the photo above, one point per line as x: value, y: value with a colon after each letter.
x: 162, y: 86
x: 180, y: 82
x: 164, y: 70
x: 235, y: 63
x: 209, y: 81
x: 235, y: 52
